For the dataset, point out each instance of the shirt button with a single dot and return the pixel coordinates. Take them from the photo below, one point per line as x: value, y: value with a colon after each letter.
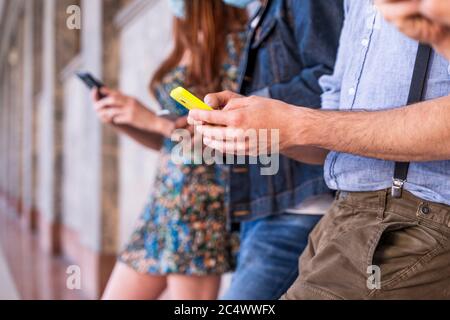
x: 365, y: 43
x: 351, y: 91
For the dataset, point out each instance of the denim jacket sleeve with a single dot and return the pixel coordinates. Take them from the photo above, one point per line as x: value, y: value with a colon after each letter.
x: 317, y: 49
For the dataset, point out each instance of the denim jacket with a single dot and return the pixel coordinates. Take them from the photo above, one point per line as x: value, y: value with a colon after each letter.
x: 291, y: 44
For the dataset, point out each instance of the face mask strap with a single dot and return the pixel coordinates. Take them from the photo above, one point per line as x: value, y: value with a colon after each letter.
x: 178, y: 8
x: 238, y: 3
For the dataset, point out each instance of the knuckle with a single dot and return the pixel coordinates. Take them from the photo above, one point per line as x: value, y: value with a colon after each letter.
x: 252, y: 99
x: 128, y: 116
x: 236, y: 119
x: 431, y: 9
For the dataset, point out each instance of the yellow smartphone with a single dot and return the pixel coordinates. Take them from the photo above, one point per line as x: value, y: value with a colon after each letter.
x: 188, y: 100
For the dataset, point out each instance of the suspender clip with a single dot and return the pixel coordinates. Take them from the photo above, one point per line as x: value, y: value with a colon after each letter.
x: 397, y: 188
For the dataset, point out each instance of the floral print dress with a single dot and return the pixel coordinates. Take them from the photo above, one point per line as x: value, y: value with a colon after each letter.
x: 183, y: 227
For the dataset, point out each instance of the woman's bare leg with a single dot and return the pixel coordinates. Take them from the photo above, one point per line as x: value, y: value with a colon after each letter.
x: 127, y: 284
x: 193, y: 287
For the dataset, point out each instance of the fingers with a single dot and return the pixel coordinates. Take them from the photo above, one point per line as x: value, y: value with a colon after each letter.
x: 398, y: 10
x: 109, y: 111
x: 221, y: 99
x: 109, y: 92
x: 240, y: 147
x: 220, y: 118
x: 109, y: 115
x: 191, y: 121
x: 181, y: 122
x: 233, y: 140
x: 94, y: 95
x: 109, y: 102
x: 388, y: 1
x: 436, y: 9
x: 237, y: 103
x: 113, y: 96
x: 229, y: 116
x: 221, y: 133
x: 226, y: 147
x: 118, y: 118
x: 212, y: 132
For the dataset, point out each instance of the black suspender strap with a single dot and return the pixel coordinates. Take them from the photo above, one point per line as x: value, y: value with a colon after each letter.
x: 416, y: 93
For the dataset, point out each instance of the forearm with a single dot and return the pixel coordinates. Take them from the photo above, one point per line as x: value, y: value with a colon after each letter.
x: 152, y: 133
x: 148, y: 139
x: 419, y: 132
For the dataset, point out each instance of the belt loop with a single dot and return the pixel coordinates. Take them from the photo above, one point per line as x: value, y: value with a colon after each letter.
x: 382, y: 202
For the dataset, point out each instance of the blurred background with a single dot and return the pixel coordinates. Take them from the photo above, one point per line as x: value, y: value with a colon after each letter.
x: 70, y: 189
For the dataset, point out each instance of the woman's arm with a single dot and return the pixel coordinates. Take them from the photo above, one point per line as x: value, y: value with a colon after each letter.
x: 128, y: 116
x: 148, y: 139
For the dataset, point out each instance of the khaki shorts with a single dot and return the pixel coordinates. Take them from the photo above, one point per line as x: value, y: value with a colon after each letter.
x: 372, y: 246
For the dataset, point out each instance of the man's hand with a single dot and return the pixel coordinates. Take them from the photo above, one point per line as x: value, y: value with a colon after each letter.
x: 437, y: 10
x: 239, y: 127
x: 415, y: 18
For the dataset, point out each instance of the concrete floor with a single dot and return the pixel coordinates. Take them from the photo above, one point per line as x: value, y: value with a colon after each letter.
x: 27, y: 273
x: 8, y: 290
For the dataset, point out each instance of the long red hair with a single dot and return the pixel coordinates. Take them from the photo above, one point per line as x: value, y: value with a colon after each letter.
x: 203, y: 33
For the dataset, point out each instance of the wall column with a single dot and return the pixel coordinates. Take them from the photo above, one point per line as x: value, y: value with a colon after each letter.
x: 91, y: 238
x: 60, y: 45
x: 28, y: 115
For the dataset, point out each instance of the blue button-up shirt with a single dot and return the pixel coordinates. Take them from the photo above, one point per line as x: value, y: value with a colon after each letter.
x: 373, y: 72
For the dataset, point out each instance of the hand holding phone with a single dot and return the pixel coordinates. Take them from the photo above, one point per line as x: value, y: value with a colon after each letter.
x: 91, y: 82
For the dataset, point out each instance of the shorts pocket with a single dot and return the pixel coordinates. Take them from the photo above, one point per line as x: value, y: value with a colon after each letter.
x: 400, y: 250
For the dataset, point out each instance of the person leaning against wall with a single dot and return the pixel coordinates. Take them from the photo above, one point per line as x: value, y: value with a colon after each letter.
x: 291, y: 44
x: 386, y: 109
x: 180, y: 242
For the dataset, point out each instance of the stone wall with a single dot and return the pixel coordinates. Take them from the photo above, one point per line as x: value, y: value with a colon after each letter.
x: 62, y: 173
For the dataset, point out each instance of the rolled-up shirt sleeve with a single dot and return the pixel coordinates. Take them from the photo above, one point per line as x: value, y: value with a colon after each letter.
x: 331, y: 87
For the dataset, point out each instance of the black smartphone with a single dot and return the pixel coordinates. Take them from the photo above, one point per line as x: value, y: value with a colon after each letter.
x: 91, y: 82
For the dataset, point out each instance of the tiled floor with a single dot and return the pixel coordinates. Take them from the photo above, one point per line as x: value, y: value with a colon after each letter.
x: 35, y: 274
x: 29, y: 273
